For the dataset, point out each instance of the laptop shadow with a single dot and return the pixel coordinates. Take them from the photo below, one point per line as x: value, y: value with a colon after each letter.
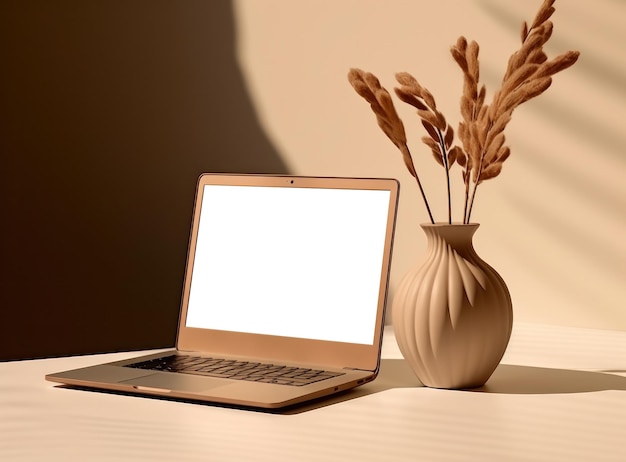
x: 396, y: 373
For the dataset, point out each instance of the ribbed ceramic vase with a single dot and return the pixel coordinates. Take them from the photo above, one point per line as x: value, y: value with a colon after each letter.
x: 452, y: 315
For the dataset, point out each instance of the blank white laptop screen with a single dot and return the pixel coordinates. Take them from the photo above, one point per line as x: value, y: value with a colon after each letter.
x: 287, y: 261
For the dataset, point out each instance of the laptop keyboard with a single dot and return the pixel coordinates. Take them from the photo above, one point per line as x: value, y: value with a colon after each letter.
x: 236, y: 370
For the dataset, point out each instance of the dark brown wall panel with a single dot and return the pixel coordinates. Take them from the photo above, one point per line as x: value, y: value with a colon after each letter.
x: 109, y: 111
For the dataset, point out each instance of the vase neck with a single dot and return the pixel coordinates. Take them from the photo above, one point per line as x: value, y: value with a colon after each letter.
x: 458, y: 236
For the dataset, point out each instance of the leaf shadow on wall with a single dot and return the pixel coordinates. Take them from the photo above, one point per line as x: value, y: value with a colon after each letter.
x: 575, y: 201
x: 110, y: 111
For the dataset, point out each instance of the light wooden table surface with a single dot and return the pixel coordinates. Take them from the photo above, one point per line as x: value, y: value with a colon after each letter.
x: 559, y: 395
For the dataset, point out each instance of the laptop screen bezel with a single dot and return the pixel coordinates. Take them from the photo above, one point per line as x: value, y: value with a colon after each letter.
x: 288, y: 349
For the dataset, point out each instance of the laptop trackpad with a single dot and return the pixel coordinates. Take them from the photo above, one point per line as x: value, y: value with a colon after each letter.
x: 177, y: 382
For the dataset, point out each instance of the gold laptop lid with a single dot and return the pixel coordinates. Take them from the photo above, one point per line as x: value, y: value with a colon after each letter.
x: 290, y: 268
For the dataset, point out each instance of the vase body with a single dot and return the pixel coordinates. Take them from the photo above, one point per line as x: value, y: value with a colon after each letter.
x: 452, y: 315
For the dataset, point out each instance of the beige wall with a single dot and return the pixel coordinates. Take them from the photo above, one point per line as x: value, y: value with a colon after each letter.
x: 553, y: 223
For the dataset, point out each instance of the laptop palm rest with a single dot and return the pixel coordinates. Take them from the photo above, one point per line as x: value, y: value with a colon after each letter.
x: 179, y: 382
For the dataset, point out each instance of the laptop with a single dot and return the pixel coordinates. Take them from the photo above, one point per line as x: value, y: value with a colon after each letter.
x: 284, y: 294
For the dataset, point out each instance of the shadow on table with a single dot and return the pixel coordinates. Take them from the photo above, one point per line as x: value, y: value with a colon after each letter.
x: 396, y: 373
x: 507, y: 379
x: 526, y: 380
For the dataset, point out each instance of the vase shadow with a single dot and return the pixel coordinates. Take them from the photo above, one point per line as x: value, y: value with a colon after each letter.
x: 527, y: 380
x: 510, y: 379
x: 507, y: 379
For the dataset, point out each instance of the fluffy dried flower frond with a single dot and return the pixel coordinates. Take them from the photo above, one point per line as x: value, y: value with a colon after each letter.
x: 473, y: 68
x: 466, y: 57
x: 489, y: 172
x: 458, y: 53
x: 368, y: 86
x: 482, y: 151
x: 537, y: 57
x: 449, y: 137
x: 464, y: 135
x: 432, y: 119
x: 545, y: 12
x: 534, y: 41
x: 558, y: 64
x: 456, y: 154
x: 504, y: 153
x: 430, y: 128
x: 476, y: 148
x: 439, y: 150
x: 495, y: 145
x: 407, y: 80
x: 497, y: 128
x: 412, y: 86
x: 526, y: 92
x: 410, y: 99
x: 519, y: 76
x: 440, y: 134
x: 434, y: 148
x: 429, y: 99
x: 528, y: 74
